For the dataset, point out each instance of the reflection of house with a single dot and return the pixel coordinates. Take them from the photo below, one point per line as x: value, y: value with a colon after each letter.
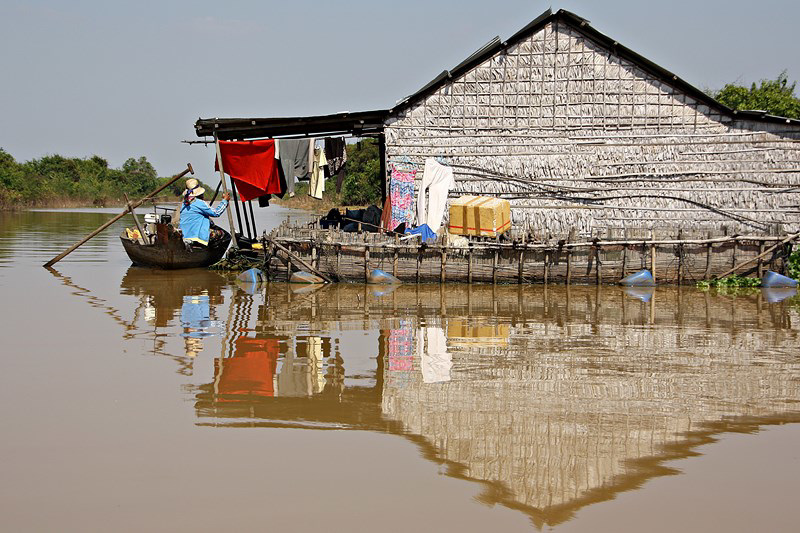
x: 574, y: 412
x: 587, y: 392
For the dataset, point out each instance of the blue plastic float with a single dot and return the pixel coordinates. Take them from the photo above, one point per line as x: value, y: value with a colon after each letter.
x: 773, y: 279
x: 643, y: 278
x: 379, y: 277
x: 253, y: 275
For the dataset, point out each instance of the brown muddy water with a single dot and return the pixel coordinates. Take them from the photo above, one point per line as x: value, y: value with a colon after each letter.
x: 140, y: 400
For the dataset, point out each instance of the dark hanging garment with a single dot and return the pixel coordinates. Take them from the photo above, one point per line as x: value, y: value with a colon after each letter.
x: 336, y: 154
x: 263, y: 201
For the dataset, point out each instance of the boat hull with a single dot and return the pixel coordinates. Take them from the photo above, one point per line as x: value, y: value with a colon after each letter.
x: 170, y: 252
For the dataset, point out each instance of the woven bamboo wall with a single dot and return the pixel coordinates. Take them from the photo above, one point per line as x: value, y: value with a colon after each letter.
x: 576, y: 136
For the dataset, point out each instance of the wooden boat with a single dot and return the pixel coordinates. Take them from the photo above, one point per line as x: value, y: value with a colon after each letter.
x: 168, y: 250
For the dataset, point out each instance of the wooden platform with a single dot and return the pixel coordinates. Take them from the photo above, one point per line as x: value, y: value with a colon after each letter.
x: 680, y: 258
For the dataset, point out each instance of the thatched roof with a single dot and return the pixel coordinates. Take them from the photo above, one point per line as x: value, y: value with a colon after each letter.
x: 371, y: 122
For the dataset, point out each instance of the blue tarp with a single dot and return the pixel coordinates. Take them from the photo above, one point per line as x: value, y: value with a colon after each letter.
x: 425, y: 232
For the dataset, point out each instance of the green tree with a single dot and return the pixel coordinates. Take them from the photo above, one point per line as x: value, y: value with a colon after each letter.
x: 54, y: 180
x: 362, y: 180
x: 776, y: 97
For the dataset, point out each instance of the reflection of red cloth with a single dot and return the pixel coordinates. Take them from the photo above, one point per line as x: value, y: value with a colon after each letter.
x: 251, y: 370
x: 252, y: 165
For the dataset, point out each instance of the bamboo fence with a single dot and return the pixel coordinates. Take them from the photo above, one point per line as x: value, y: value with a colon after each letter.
x: 674, y: 257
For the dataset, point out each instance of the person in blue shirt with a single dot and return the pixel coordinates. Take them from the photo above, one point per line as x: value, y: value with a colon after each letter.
x: 195, y: 213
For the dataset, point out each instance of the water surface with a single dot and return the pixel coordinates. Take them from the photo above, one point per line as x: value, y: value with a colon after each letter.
x: 135, y: 399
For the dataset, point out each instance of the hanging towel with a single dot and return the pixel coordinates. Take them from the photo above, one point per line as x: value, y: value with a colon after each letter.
x: 401, y: 193
x: 294, y: 160
x: 437, y: 179
x: 252, y: 165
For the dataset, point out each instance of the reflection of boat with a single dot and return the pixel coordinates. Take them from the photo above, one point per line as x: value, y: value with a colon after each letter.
x: 165, y: 291
x: 170, y: 252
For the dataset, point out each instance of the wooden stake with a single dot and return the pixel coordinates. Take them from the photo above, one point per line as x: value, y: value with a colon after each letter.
x: 760, y: 261
x: 444, y: 265
x: 546, y: 266
x: 624, y: 258
x: 680, y: 258
x: 494, y: 267
x: 366, y: 263
x: 72, y: 248
x: 597, y: 267
x: 469, y: 264
x: 653, y: 256
x: 225, y: 190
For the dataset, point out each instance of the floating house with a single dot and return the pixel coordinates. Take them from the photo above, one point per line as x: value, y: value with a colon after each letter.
x: 581, y: 134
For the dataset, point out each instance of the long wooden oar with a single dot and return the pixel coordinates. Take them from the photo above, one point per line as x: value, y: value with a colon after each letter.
x: 72, y: 248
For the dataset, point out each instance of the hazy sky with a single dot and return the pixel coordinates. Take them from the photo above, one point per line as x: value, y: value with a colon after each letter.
x: 121, y: 79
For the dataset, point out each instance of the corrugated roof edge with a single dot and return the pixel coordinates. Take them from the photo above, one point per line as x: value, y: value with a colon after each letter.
x: 582, y: 25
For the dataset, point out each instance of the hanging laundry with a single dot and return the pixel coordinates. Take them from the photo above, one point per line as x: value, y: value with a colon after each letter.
x: 317, y: 186
x: 401, y: 193
x: 252, y: 165
x: 335, y: 153
x: 294, y: 160
x: 437, y: 179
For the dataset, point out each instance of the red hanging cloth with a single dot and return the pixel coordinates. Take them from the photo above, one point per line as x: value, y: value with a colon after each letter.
x: 252, y: 165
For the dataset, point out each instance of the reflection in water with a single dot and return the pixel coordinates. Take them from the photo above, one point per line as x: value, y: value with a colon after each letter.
x: 551, y: 398
x: 162, y: 293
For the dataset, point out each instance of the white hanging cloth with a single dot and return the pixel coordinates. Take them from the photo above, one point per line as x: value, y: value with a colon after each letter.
x: 438, y: 180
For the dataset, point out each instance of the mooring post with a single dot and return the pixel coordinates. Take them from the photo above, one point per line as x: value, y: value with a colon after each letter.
x: 653, y: 255
x: 597, y: 267
x: 680, y: 257
x: 419, y: 262
x: 709, y: 253
x: 444, y: 265
x: 494, y: 265
x: 760, y: 260
x: 521, y: 273
x: 396, y: 255
x: 469, y: 262
x: 570, y: 238
x: 546, y: 266
x: 366, y: 263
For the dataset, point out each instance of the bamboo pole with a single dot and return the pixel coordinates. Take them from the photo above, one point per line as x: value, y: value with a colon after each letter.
x: 135, y: 218
x: 298, y: 259
x: 759, y: 256
x: 72, y: 248
x: 234, y: 244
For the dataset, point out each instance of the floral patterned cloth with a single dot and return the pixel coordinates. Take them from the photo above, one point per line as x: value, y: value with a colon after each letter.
x: 401, y: 193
